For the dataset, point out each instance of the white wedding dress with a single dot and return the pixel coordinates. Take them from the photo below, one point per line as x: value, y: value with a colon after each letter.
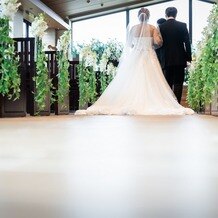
x: 139, y: 87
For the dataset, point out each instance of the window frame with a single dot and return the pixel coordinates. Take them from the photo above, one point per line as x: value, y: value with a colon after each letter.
x: 190, y: 10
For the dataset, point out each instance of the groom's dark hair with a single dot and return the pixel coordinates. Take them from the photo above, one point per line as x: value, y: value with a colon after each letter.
x: 171, y: 12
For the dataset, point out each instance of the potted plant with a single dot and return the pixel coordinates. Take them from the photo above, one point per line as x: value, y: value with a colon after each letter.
x: 63, y: 80
x: 203, y: 81
x: 42, y: 88
x: 12, y: 101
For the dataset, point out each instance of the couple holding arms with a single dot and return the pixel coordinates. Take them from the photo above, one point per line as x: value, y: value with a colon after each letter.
x: 140, y: 87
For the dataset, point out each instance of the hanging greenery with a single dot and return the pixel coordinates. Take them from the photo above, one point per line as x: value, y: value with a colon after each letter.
x: 108, y: 62
x: 9, y: 77
x: 43, y: 84
x: 63, y: 66
x: 203, y: 80
x: 98, y: 63
x: 87, y: 76
x: 87, y: 84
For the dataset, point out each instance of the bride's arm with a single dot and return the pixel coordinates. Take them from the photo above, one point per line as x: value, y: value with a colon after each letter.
x: 158, y: 41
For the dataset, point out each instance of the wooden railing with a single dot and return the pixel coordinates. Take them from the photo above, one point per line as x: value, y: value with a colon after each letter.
x: 25, y: 49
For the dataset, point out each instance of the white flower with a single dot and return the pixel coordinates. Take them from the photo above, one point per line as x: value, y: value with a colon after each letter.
x: 89, y: 57
x: 90, y: 60
x: 113, y: 49
x: 103, y: 63
x: 108, y: 52
x: 112, y: 52
x: 111, y: 69
x: 58, y: 45
x: 64, y: 42
x: 9, y: 8
x: 39, y: 26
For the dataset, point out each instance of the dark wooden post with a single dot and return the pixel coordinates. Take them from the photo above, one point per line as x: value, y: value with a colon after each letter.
x: 74, y: 85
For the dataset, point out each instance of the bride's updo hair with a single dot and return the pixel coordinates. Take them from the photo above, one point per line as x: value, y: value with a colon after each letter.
x: 143, y: 14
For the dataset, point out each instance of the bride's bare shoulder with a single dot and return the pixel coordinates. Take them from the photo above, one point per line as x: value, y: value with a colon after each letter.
x: 152, y: 27
x: 135, y: 26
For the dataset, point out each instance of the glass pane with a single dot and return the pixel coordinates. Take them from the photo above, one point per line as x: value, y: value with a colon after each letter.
x: 158, y: 11
x: 102, y: 28
x: 200, y: 14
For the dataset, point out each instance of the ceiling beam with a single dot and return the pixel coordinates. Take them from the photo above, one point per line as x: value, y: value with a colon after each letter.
x: 50, y: 13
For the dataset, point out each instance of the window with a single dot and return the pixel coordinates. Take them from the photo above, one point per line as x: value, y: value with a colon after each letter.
x: 27, y: 29
x: 102, y: 28
x: 114, y: 25
x: 158, y: 11
x: 201, y: 11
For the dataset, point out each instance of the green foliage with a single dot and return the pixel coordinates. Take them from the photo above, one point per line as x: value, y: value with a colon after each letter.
x: 87, y: 84
x: 203, y: 79
x: 63, y: 66
x: 96, y: 58
x: 98, y: 47
x: 63, y: 77
x: 9, y: 77
x: 103, y: 82
x: 42, y: 82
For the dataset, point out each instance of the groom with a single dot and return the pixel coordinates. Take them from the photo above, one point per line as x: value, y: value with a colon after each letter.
x: 177, y: 51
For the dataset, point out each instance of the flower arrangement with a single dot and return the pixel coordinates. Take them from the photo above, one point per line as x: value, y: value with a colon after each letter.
x: 8, y: 8
x: 39, y: 26
x: 109, y: 61
x: 9, y: 77
x: 203, y: 80
x: 87, y: 78
x: 96, y: 58
x: 89, y: 57
x: 63, y: 65
x: 43, y: 84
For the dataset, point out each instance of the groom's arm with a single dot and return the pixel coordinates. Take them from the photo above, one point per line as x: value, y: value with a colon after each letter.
x: 187, y: 44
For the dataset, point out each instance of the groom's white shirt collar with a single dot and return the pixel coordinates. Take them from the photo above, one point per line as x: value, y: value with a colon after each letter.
x: 170, y: 18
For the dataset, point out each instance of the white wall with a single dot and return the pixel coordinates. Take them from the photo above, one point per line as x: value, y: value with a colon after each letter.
x: 17, y: 25
x: 49, y: 38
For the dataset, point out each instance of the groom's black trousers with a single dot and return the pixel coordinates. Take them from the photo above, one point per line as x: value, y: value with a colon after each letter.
x: 175, y: 77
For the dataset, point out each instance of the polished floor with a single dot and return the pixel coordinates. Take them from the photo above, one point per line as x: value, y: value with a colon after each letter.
x: 109, y: 167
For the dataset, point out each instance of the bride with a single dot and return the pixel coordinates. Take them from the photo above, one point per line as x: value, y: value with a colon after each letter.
x: 139, y: 87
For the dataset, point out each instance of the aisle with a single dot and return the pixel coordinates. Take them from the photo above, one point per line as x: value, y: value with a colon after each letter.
x: 109, y: 167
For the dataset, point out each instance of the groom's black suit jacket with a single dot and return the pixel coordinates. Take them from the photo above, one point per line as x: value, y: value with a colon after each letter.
x: 176, y: 43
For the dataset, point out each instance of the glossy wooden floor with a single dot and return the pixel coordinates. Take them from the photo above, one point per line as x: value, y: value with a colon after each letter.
x: 109, y: 167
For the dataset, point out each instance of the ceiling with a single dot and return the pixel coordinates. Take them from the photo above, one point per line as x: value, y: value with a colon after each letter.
x: 35, y: 7
x: 77, y: 9
x: 60, y: 12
